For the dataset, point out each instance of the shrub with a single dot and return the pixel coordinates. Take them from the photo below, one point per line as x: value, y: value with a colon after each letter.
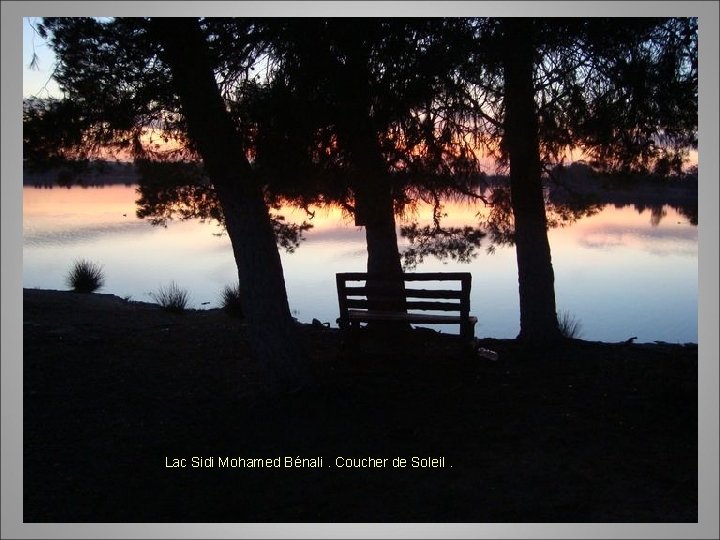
x: 570, y: 327
x: 171, y: 298
x: 231, y: 303
x: 85, y: 276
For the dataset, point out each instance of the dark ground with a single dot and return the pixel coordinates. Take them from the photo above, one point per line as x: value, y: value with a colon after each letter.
x: 587, y: 432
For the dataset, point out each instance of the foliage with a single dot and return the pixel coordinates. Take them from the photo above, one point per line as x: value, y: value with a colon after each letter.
x: 570, y: 326
x: 85, y: 276
x: 175, y: 190
x: 456, y: 243
x: 624, y: 91
x: 288, y: 235
x: 391, y: 71
x: 109, y: 74
x: 499, y: 224
x: 231, y: 302
x: 180, y: 190
x: 373, y: 99
x: 171, y: 298
x: 52, y: 134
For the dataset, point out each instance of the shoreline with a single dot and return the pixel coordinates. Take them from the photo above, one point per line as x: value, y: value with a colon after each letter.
x: 113, y: 301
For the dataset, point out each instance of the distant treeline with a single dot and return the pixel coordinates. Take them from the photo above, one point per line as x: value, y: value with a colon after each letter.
x: 82, y: 173
x: 579, y: 182
x: 577, y: 177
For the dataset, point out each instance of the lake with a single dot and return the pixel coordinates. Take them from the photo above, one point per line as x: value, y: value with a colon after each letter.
x: 623, y: 272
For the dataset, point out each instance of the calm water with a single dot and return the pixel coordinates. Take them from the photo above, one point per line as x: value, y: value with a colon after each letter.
x: 620, y: 273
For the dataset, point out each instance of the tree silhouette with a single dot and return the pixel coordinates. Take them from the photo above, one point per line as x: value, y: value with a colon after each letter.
x: 371, y: 109
x: 127, y: 75
x: 372, y: 91
x: 417, y: 99
x: 624, y: 91
x: 179, y: 190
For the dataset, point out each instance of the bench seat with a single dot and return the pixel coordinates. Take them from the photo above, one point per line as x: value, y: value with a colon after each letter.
x: 356, y: 306
x: 361, y: 315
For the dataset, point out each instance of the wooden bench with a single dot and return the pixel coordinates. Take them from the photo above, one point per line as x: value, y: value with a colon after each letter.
x: 355, y: 306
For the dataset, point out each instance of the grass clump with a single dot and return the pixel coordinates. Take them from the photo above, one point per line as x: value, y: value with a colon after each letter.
x: 231, y: 303
x: 570, y: 326
x: 85, y: 276
x: 171, y: 298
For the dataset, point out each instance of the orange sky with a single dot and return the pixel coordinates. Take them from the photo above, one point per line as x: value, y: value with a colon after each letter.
x: 79, y: 203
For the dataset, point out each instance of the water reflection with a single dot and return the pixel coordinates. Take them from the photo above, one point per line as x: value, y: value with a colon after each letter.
x: 659, y: 211
x: 80, y: 234
x: 577, y: 184
x: 617, y: 266
x: 443, y: 243
x: 178, y: 190
x: 161, y: 199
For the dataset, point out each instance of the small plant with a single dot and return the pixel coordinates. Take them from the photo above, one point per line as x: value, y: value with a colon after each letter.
x: 85, y: 276
x: 171, y: 298
x: 570, y: 327
x: 231, y: 303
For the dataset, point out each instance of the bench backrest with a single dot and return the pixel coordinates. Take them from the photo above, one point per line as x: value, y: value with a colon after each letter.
x: 417, y: 298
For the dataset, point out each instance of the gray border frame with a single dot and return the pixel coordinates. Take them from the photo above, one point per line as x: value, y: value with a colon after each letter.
x: 11, y: 245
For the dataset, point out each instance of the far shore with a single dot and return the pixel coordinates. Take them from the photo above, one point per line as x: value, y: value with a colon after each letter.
x: 566, y: 184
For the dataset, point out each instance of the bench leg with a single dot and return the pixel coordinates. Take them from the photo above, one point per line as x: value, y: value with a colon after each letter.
x: 349, y: 333
x: 467, y: 333
x: 467, y: 330
x: 467, y: 336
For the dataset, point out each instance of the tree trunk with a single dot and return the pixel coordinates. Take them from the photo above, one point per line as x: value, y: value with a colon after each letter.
x: 271, y: 329
x: 538, y: 317
x: 374, y: 202
x: 374, y: 205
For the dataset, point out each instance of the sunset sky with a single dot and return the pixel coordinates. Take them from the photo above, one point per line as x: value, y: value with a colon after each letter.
x: 252, y: 360
x: 37, y: 80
